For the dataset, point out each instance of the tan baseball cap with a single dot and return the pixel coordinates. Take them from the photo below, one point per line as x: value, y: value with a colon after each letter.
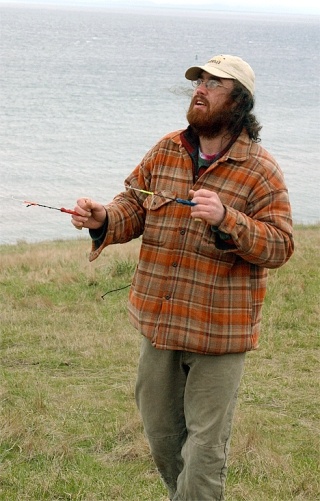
x: 226, y: 66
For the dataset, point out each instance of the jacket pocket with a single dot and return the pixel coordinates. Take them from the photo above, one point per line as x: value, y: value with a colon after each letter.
x: 204, y: 245
x: 158, y: 210
x: 158, y: 200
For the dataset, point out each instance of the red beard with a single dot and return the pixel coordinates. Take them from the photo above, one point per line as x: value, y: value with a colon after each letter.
x: 209, y: 124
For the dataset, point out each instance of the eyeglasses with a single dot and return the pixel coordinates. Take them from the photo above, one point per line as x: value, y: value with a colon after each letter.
x: 209, y: 84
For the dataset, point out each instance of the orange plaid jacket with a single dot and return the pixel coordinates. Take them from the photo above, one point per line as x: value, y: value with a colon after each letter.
x: 194, y: 290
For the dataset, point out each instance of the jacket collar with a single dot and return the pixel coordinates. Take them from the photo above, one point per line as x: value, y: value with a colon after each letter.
x: 239, y: 150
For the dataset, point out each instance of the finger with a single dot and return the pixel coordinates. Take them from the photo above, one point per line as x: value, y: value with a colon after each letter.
x: 83, y: 207
x: 204, y: 195
x: 88, y: 204
x: 196, y: 217
x: 77, y: 224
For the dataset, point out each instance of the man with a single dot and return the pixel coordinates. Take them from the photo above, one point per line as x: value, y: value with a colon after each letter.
x: 213, y: 211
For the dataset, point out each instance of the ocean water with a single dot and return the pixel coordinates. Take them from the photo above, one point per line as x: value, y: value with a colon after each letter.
x: 85, y: 93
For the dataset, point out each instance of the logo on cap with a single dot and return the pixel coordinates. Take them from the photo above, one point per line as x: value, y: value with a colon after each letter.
x: 215, y: 60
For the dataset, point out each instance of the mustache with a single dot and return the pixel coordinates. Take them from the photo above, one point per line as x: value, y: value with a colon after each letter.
x: 197, y: 98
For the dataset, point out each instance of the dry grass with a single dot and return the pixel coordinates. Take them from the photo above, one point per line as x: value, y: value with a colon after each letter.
x: 69, y: 425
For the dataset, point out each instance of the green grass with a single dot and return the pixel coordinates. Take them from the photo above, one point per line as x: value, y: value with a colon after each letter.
x: 70, y: 429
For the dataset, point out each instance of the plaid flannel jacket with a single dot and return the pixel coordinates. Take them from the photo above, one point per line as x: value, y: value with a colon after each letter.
x: 198, y: 288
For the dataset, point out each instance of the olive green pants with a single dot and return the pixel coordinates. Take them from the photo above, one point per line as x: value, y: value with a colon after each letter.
x: 187, y: 403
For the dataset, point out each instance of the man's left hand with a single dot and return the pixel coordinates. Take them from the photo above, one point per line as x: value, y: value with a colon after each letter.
x: 209, y: 207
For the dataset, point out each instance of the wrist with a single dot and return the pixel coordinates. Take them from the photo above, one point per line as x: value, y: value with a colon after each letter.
x: 223, y: 215
x: 101, y: 217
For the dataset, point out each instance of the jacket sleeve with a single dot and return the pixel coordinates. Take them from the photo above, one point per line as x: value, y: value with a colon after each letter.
x: 268, y: 244
x: 125, y: 221
x: 261, y: 235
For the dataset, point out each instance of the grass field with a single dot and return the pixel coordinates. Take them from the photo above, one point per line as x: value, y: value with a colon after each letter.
x: 69, y: 426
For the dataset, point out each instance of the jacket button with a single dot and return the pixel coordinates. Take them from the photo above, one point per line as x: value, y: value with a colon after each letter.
x: 182, y: 232
x: 167, y: 297
x: 174, y: 265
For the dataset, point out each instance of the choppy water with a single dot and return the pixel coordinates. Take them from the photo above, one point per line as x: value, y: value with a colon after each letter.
x: 84, y: 94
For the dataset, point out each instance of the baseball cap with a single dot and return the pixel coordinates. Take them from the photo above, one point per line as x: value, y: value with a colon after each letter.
x: 226, y: 66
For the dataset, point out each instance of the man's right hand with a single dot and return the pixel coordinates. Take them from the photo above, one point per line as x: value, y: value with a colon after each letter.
x: 92, y: 214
